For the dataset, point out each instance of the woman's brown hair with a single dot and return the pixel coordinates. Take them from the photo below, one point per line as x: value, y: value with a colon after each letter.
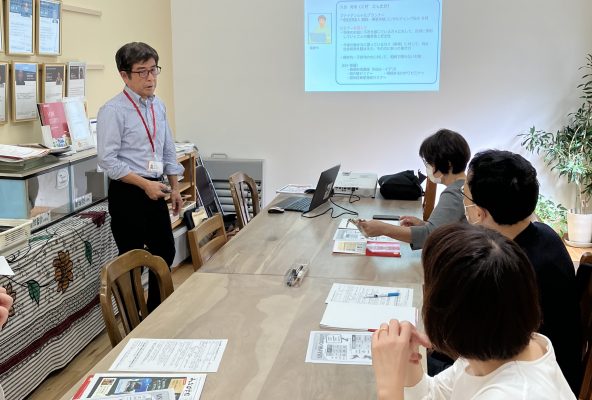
x: 480, y: 295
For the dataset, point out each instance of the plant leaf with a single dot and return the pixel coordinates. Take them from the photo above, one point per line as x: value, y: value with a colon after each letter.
x: 34, y: 290
x: 39, y: 238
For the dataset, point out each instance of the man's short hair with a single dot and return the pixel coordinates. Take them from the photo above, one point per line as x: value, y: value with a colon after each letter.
x: 446, y: 150
x: 505, y: 184
x: 322, y: 17
x: 132, y: 53
x: 480, y: 293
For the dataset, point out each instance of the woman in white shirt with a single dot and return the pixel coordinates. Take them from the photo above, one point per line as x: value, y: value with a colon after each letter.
x: 481, y: 308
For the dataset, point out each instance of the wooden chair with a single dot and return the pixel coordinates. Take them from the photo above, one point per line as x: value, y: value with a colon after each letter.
x: 244, y: 193
x: 429, y: 199
x: 584, y: 280
x: 205, y: 239
x: 121, y: 278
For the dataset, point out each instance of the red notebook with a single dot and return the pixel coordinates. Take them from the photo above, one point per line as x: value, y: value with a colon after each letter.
x: 53, y: 114
x: 383, y: 249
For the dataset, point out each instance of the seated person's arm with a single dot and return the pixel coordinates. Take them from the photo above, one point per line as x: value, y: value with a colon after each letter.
x: 378, y: 228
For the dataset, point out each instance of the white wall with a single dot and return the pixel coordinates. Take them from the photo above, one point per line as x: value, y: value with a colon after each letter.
x: 239, y: 86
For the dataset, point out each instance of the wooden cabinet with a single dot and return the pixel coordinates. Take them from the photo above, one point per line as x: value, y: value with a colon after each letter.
x: 186, y: 184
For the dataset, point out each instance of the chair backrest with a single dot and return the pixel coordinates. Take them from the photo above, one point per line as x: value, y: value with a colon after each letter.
x: 584, y: 279
x: 244, y: 192
x: 205, y: 239
x: 121, y: 278
x: 429, y: 199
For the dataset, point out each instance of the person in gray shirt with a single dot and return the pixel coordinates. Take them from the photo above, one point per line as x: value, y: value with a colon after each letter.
x: 445, y: 155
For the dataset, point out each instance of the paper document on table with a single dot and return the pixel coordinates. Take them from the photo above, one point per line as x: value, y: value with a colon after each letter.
x: 364, y: 316
x: 167, y: 394
x: 349, y: 247
x: 356, y: 236
x: 185, y: 386
x: 339, y: 348
x: 368, y: 248
x: 360, y: 294
x: 294, y: 189
x: 346, y: 224
x: 349, y: 235
x: 178, y: 355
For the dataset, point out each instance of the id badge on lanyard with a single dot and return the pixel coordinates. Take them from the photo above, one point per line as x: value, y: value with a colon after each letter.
x: 153, y: 165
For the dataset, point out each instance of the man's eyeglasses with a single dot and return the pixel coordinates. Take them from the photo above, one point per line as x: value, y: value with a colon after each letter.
x: 144, y: 73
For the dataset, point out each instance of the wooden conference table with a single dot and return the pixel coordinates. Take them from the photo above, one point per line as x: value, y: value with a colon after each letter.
x: 239, y: 295
x: 272, y: 243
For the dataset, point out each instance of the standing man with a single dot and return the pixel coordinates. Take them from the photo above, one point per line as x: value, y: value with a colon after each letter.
x: 135, y: 148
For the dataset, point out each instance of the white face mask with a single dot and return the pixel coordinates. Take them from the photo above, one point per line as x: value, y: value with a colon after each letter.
x: 431, y: 177
x: 468, y: 217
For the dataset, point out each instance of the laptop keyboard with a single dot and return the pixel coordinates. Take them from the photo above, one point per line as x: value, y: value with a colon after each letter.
x: 300, y: 204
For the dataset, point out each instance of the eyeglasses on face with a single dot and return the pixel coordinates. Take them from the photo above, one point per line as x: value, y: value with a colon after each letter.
x: 462, y: 190
x: 144, y: 73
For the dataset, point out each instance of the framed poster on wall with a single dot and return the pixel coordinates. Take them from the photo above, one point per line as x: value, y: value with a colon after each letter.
x: 52, y: 82
x: 1, y: 29
x: 49, y: 28
x: 24, y: 91
x: 76, y: 79
x: 3, y: 92
x: 20, y: 17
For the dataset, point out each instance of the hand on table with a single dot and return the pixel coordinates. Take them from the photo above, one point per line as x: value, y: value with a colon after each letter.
x: 374, y: 228
x: 407, y: 220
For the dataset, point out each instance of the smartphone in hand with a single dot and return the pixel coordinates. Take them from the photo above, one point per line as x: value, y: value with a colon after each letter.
x: 386, y: 217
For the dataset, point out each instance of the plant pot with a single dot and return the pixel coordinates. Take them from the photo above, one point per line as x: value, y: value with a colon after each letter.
x: 579, y: 227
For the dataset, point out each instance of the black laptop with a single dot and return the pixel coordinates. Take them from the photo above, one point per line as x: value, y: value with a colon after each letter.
x: 321, y: 194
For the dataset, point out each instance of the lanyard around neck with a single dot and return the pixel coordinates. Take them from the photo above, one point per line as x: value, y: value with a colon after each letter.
x: 151, y: 139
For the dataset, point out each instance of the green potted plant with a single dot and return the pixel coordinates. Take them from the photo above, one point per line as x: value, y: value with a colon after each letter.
x: 552, y: 214
x: 569, y: 152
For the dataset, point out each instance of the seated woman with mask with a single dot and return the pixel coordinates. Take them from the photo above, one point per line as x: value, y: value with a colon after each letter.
x: 481, y: 308
x: 445, y: 155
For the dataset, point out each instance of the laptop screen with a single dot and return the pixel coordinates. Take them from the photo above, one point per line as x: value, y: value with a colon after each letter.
x: 324, y: 187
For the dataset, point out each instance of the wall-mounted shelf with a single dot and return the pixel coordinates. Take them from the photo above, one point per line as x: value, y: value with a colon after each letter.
x: 81, y: 10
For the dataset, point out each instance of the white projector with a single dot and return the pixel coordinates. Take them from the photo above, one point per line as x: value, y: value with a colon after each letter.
x: 362, y: 184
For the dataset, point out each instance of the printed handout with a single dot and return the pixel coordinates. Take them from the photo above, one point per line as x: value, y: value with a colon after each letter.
x: 167, y: 394
x: 185, y: 386
x: 360, y: 294
x: 170, y: 355
x: 327, y: 347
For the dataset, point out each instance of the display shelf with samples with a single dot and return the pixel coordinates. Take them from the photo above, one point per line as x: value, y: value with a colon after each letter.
x: 53, y: 191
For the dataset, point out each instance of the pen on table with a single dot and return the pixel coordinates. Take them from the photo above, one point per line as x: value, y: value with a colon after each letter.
x: 391, y: 294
